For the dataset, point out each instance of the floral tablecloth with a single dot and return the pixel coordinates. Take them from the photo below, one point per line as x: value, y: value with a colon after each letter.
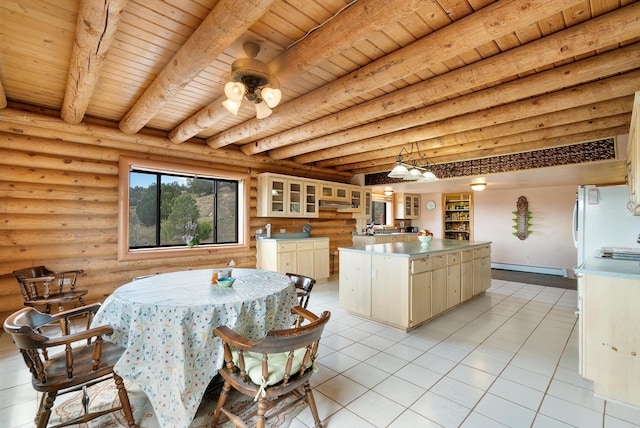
x: 166, y: 324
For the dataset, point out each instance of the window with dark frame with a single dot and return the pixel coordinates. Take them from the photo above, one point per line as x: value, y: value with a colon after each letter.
x: 174, y: 210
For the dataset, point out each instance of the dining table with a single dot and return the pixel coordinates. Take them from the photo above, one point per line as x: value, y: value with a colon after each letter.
x: 165, y: 322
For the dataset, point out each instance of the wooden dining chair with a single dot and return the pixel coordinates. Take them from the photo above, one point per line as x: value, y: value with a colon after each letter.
x: 41, y: 287
x: 278, y: 365
x: 68, y: 360
x: 304, y: 285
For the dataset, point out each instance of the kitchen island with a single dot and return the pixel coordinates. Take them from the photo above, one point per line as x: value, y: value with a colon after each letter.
x: 609, y: 327
x: 405, y: 284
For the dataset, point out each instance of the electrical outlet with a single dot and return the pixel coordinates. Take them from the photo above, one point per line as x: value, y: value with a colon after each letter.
x: 283, y: 230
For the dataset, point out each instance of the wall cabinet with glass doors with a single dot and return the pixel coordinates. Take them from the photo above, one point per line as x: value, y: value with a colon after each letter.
x: 285, y: 197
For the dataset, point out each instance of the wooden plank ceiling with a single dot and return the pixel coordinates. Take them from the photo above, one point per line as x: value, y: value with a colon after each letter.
x: 464, y: 79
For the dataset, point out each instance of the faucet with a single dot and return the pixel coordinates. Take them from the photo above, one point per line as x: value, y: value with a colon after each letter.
x: 268, y: 227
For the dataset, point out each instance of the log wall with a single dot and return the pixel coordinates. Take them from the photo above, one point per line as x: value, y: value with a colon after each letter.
x: 58, y: 208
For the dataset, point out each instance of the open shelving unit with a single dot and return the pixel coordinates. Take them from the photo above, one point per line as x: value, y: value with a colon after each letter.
x: 457, y: 216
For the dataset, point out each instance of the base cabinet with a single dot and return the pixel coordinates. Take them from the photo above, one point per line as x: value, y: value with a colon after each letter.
x: 609, y: 337
x: 406, y: 292
x: 309, y: 257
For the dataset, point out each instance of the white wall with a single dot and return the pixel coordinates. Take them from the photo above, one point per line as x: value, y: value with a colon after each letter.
x: 550, y: 244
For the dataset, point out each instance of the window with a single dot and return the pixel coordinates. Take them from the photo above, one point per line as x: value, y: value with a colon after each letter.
x: 381, y: 209
x: 169, y: 208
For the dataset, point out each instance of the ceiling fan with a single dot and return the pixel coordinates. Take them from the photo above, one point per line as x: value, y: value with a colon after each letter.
x: 250, y: 79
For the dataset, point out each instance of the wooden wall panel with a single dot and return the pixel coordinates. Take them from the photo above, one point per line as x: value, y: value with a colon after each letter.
x: 58, y: 208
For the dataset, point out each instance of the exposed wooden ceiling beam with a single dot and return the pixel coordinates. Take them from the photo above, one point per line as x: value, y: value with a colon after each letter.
x: 470, y: 111
x: 357, y: 21
x: 436, y: 146
x: 481, y: 27
x: 95, y: 29
x: 579, y: 40
x: 228, y: 20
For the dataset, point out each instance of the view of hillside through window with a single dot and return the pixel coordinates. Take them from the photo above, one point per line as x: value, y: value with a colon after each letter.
x: 172, y: 210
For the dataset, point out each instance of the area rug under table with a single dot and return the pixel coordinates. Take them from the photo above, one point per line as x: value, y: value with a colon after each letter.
x: 105, y: 395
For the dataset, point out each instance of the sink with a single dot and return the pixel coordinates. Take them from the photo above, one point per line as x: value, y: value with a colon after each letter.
x: 619, y: 253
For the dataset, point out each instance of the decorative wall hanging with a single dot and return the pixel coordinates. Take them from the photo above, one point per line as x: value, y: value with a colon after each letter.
x: 523, y: 216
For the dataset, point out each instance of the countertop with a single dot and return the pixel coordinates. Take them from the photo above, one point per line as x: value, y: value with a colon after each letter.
x: 415, y: 248
x: 609, y: 267
x: 317, y: 238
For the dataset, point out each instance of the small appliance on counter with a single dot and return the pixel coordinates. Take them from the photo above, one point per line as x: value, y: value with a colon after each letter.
x: 411, y: 229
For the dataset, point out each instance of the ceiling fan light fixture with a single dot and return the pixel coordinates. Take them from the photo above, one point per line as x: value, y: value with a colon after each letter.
x: 249, y: 80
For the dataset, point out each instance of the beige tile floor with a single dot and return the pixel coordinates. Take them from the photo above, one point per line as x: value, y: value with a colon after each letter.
x: 506, y: 359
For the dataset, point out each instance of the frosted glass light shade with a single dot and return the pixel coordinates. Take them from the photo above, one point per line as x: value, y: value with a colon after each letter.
x: 414, y: 174
x: 429, y: 176
x: 271, y: 96
x: 399, y: 171
x: 262, y: 110
x: 232, y: 106
x: 234, y: 91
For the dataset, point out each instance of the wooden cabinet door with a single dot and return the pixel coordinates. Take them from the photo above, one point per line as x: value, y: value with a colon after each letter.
x: 311, y: 199
x: 390, y: 290
x: 609, y: 320
x: 287, y: 262
x: 453, y: 285
x: 277, y: 196
x: 321, y: 259
x: 438, y: 291
x: 355, y: 282
x: 305, y: 259
x: 420, y: 298
x: 295, y: 195
x: 466, y: 280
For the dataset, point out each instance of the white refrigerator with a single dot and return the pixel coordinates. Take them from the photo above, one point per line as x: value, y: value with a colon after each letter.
x: 602, y: 219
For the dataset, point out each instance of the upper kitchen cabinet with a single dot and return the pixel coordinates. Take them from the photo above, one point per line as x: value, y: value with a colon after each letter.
x: 334, y: 192
x: 281, y: 196
x: 407, y: 206
x: 633, y: 157
x: 457, y: 215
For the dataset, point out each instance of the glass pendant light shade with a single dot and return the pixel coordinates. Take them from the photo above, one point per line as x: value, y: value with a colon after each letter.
x: 414, y: 174
x: 429, y: 176
x: 262, y: 110
x: 271, y: 96
x: 399, y: 171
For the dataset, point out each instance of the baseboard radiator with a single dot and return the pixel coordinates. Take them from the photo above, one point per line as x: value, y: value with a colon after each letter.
x: 531, y: 269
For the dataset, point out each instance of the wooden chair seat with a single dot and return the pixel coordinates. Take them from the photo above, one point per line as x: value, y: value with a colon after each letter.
x: 41, y: 287
x: 268, y: 369
x: 304, y: 285
x: 83, y: 359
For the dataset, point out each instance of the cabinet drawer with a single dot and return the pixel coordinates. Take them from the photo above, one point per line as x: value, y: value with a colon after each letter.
x: 466, y: 255
x: 321, y: 244
x: 438, y: 262
x: 420, y: 265
x: 453, y: 258
x: 481, y: 252
x: 301, y: 246
x: 284, y: 247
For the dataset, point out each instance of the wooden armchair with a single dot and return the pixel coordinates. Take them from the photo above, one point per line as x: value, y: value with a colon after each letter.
x: 304, y: 285
x: 42, y: 287
x: 83, y: 359
x: 279, y: 364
